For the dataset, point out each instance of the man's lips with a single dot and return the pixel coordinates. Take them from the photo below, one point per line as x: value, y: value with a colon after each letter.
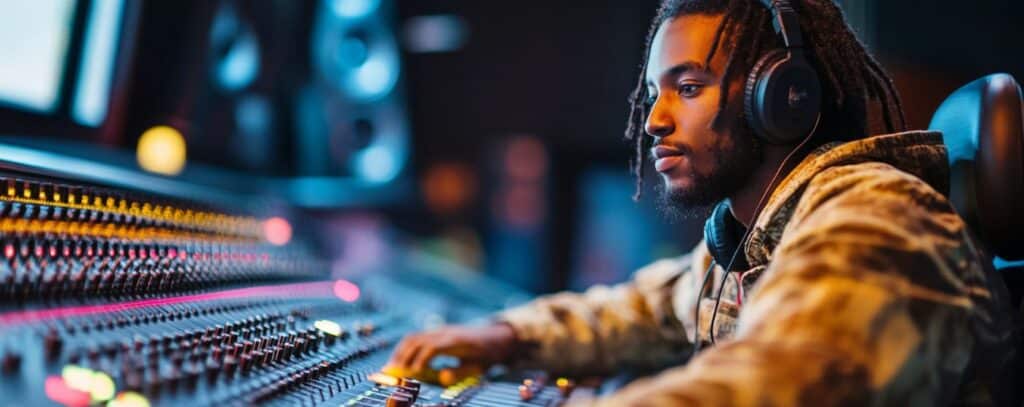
x: 666, y: 158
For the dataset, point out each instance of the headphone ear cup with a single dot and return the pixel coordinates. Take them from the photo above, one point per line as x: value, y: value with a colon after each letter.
x: 782, y: 98
x: 753, y: 105
x: 722, y: 238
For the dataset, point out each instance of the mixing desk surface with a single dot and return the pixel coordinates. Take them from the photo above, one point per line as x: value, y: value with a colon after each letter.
x: 119, y: 299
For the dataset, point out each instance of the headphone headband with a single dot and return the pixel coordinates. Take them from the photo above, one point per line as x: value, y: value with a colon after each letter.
x: 785, y: 21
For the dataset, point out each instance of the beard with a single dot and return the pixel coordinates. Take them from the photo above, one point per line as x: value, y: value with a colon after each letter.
x: 735, y: 157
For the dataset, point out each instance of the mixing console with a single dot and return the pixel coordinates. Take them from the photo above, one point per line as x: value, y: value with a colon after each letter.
x: 110, y: 298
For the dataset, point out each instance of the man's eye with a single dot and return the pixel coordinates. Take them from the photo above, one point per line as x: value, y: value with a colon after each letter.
x: 689, y: 89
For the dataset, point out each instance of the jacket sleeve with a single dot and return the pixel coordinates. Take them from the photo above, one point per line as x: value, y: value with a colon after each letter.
x: 605, y: 328
x: 867, y: 301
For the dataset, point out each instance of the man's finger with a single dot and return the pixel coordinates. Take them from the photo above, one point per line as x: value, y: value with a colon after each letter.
x: 424, y: 355
x: 406, y: 351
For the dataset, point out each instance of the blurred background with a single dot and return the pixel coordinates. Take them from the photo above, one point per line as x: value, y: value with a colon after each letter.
x: 484, y: 135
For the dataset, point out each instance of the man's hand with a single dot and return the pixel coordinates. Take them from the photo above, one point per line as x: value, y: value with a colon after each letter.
x: 476, y: 347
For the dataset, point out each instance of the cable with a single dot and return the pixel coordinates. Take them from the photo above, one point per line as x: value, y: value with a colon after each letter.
x: 746, y: 234
x: 696, y: 311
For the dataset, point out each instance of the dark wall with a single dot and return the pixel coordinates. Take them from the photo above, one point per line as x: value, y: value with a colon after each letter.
x: 956, y: 35
x: 559, y: 70
x: 935, y: 46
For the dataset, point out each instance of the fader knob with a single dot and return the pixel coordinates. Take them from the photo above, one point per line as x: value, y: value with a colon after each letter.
x: 152, y: 382
x: 286, y: 350
x: 93, y: 352
x: 230, y: 364
x: 409, y: 386
x: 245, y: 363
x: 133, y: 380
x: 191, y: 374
x: 10, y: 362
x: 399, y: 399
x: 52, y: 344
x: 212, y: 369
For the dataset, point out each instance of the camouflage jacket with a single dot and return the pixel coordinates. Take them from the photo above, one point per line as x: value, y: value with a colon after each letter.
x: 865, y: 289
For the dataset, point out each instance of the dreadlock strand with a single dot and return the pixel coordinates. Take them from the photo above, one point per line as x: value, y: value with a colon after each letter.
x: 884, y: 99
x: 890, y: 87
x: 718, y: 39
x: 741, y: 36
x: 723, y: 85
x: 636, y: 114
x: 637, y: 164
x: 747, y: 56
x: 836, y: 87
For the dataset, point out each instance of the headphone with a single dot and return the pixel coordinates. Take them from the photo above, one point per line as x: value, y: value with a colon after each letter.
x: 724, y: 235
x: 782, y: 98
x: 782, y: 103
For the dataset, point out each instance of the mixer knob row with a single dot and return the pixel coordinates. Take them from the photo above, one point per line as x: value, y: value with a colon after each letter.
x: 32, y: 199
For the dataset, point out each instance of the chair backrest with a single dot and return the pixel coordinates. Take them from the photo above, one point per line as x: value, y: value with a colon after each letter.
x: 983, y: 127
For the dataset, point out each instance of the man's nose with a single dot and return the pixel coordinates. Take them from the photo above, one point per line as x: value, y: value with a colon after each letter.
x: 659, y: 123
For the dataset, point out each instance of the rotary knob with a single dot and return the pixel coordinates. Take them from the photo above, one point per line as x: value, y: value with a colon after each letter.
x: 10, y: 362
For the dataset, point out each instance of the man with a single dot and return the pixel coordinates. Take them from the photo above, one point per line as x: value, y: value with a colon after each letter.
x: 857, y: 284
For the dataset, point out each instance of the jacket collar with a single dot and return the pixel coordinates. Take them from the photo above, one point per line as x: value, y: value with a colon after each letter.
x: 920, y: 153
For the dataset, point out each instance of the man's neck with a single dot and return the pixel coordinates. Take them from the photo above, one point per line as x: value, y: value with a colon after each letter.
x: 744, y: 201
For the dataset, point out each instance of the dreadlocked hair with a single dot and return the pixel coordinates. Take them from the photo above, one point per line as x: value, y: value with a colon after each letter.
x: 854, y: 84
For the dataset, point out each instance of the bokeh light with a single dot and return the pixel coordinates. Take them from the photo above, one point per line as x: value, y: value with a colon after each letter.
x: 98, y: 385
x: 129, y: 399
x: 58, y: 390
x: 76, y: 377
x: 354, y: 8
x: 277, y: 231
x: 449, y: 187
x: 328, y: 327
x: 101, y: 387
x: 346, y: 290
x: 161, y: 150
x: 435, y: 33
x: 378, y: 164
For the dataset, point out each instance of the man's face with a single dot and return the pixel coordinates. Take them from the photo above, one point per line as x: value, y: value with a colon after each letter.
x: 700, y: 164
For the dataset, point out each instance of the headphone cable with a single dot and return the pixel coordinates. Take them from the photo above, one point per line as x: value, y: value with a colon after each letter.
x: 746, y: 234
x: 696, y: 311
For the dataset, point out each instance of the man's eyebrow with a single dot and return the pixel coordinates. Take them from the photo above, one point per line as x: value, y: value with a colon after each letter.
x: 679, y: 69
